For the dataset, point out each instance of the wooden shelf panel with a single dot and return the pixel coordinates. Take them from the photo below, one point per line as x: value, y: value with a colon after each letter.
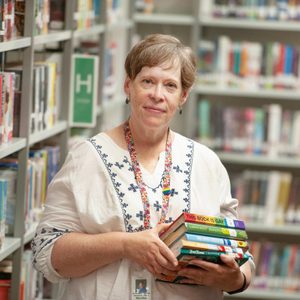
x: 290, y: 26
x: 17, y: 43
x: 16, y: 145
x: 259, y: 160
x: 9, y: 246
x: 164, y: 19
x: 45, y: 134
x: 267, y: 295
x: 97, y: 29
x: 227, y: 91
x: 288, y: 229
x: 58, y: 36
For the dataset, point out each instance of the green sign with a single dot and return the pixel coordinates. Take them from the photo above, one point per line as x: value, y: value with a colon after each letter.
x: 84, y: 90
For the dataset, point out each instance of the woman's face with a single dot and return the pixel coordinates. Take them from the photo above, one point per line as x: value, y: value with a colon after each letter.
x: 155, y: 95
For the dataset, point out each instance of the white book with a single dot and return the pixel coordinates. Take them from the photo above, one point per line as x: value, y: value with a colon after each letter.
x: 295, y: 137
x: 274, y: 128
x: 224, y: 48
x: 271, y: 196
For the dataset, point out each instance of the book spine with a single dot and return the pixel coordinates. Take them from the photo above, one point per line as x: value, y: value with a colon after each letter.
x: 212, y: 220
x: 216, y: 231
x: 209, y: 247
x: 212, y: 256
x: 216, y: 241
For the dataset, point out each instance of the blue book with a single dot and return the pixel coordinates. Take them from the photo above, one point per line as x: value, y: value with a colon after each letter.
x: 211, y: 240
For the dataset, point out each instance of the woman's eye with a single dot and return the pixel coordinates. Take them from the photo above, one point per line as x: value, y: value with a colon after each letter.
x: 147, y: 81
x: 171, y: 86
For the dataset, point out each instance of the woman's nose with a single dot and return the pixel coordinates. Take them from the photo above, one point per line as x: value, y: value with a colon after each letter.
x: 158, y: 92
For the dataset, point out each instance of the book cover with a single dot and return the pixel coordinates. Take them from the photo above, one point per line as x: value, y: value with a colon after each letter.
x: 208, y: 230
x: 183, y: 244
x: 211, y: 240
x: 186, y: 255
x: 202, y: 219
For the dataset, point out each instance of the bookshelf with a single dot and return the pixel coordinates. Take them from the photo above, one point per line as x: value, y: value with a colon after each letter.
x: 195, y: 24
x: 68, y: 40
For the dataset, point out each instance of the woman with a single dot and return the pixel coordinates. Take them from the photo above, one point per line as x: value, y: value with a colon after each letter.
x: 115, y: 192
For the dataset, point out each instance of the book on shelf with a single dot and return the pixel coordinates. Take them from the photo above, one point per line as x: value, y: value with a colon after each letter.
x: 207, y: 225
x: 3, y: 202
x: 57, y: 14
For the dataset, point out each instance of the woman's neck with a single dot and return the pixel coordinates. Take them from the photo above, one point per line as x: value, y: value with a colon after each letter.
x: 146, y: 138
x: 148, y: 145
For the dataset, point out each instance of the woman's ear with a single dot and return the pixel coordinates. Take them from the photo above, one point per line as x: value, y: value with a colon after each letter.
x: 184, y: 96
x: 126, y: 85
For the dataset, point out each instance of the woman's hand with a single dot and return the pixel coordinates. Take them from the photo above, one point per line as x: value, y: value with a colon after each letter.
x: 226, y: 276
x: 148, y: 250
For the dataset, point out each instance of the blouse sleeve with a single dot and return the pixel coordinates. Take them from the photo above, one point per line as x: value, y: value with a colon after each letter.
x: 60, y: 217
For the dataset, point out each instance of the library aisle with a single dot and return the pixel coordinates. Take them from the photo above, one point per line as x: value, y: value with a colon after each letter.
x: 245, y: 106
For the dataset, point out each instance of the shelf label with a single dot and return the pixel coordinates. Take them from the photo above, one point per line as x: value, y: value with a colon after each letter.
x: 84, y: 90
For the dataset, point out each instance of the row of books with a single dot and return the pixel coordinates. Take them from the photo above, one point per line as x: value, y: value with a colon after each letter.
x: 9, y: 19
x: 277, y: 266
x: 144, y: 6
x: 7, y: 95
x: 110, y: 70
x: 115, y: 11
x: 45, y: 102
x: 193, y: 236
x: 3, y: 197
x: 249, y: 64
x: 257, y: 9
x: 42, y: 165
x: 87, y: 13
x: 13, y: 17
x: 267, y: 197
x: 49, y: 15
x: 31, y: 286
x: 164, y: 7
x: 270, y: 130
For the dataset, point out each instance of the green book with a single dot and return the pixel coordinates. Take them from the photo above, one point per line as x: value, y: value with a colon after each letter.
x: 187, y: 255
x: 213, y: 256
x: 210, y: 230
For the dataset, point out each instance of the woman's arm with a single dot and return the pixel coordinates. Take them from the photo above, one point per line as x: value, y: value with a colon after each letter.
x: 78, y: 254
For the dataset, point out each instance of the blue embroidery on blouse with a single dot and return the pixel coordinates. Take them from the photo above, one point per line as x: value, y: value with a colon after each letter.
x: 116, y: 184
x: 185, y: 169
x: 45, y: 237
x: 157, y: 206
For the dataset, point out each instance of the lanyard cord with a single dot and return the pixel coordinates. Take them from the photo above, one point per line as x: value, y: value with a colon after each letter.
x: 166, y: 191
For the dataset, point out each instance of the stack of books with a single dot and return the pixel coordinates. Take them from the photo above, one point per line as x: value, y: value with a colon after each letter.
x: 193, y: 236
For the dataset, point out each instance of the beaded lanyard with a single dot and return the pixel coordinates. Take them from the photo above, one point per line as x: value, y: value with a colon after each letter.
x: 166, y: 192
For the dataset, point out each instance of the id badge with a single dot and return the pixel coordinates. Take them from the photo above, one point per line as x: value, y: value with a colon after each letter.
x: 141, y: 285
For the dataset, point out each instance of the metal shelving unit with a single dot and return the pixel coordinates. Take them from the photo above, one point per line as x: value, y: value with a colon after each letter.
x: 250, y: 24
x: 265, y: 295
x: 200, y: 26
x: 259, y: 160
x: 235, y: 92
x: 9, y: 246
x: 176, y: 19
x: 14, y: 246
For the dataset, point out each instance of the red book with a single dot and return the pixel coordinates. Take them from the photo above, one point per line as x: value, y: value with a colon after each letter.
x: 202, y: 219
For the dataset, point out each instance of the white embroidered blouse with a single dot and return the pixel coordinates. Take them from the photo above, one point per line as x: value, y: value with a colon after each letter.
x: 95, y: 192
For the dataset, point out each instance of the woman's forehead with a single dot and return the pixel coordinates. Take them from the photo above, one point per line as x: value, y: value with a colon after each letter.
x: 172, y: 71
